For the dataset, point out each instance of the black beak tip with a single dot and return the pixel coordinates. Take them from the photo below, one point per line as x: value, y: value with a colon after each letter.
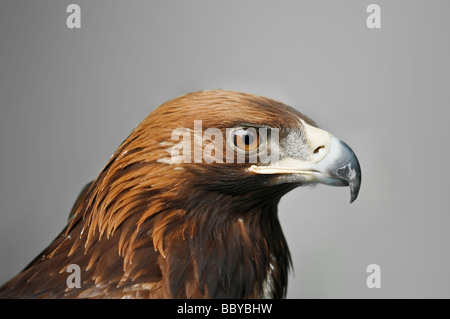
x: 354, y: 189
x: 351, y: 174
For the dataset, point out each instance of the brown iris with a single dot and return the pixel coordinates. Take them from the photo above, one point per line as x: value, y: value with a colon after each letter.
x: 246, y: 139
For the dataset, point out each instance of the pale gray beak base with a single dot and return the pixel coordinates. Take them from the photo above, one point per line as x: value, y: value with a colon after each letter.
x: 340, y: 167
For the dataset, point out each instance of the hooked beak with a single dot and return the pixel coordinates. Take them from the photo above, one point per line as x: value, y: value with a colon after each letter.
x: 331, y: 162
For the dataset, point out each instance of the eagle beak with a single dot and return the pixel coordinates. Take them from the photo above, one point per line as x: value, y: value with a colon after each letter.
x: 331, y: 162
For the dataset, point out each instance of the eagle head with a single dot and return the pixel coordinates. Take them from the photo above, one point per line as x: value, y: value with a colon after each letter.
x: 187, y: 205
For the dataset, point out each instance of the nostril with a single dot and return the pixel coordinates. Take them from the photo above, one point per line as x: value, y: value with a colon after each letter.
x: 317, y: 150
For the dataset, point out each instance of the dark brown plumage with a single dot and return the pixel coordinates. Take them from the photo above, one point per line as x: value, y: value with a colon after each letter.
x: 150, y: 228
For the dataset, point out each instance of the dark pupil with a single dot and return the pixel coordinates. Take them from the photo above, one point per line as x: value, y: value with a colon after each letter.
x: 248, y: 139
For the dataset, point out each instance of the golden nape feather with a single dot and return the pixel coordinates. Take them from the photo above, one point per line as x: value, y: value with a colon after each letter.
x: 187, y: 205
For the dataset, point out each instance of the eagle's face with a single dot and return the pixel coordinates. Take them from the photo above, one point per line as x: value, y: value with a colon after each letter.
x: 236, y: 143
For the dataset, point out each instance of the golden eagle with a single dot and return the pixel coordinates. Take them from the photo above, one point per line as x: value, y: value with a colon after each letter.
x: 182, y: 211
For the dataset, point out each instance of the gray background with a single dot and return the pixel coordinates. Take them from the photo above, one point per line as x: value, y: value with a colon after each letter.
x: 68, y: 98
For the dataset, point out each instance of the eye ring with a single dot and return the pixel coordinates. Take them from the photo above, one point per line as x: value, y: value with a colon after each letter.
x: 245, y: 139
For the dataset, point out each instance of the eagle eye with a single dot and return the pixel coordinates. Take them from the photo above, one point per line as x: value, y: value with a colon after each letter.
x: 246, y: 139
